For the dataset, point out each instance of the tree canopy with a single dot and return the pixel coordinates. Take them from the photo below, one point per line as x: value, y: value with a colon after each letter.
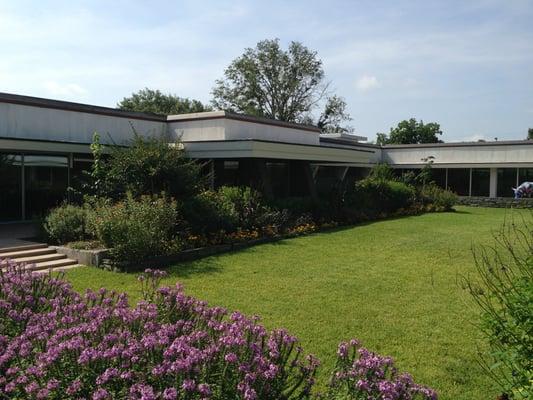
x: 411, y: 132
x: 530, y: 133
x: 287, y: 85
x: 156, y: 102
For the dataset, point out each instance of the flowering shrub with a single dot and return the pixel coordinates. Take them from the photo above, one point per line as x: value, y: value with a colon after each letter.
x: 361, y: 374
x: 56, y: 343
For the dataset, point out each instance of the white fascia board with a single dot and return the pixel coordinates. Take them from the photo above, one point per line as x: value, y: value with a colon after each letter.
x: 43, y: 146
x: 466, y: 165
x: 258, y: 149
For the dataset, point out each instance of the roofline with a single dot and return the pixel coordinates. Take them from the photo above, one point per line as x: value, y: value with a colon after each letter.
x: 240, y: 117
x: 79, y: 107
x: 275, y: 142
x: 459, y: 144
x: 349, y: 142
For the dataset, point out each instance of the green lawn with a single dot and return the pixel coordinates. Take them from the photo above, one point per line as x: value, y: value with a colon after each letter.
x: 394, y: 284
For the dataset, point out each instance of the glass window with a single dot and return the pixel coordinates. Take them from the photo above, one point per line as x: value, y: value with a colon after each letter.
x: 480, y: 182
x: 438, y: 175
x: 279, y: 178
x: 459, y: 180
x: 506, y: 181
x: 525, y: 175
x: 46, y: 182
x: 11, y: 187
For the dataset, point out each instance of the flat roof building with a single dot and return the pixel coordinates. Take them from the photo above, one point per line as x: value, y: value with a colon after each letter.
x: 44, y: 145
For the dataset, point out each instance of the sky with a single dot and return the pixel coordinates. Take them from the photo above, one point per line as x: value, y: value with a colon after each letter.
x: 466, y: 64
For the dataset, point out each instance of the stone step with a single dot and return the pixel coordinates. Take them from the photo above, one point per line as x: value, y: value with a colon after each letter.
x: 25, y: 247
x: 14, y: 255
x: 41, y: 258
x: 64, y: 262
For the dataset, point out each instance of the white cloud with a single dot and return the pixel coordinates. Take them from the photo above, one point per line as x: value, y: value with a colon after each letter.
x: 367, y: 82
x: 64, y: 90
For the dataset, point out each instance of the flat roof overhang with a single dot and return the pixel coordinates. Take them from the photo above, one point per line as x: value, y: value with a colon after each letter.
x: 467, y: 165
x: 277, y: 150
x: 28, y: 145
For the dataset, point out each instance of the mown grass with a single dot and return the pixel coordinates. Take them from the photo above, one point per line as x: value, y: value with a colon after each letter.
x: 394, y: 284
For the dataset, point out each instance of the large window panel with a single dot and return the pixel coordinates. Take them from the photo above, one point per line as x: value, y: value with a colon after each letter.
x: 46, y: 182
x: 438, y: 175
x: 10, y: 187
x: 506, y: 181
x: 480, y: 182
x: 525, y: 175
x: 459, y: 181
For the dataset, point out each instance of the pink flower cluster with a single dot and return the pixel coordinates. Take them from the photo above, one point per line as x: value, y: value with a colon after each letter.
x: 55, y: 343
x: 361, y: 374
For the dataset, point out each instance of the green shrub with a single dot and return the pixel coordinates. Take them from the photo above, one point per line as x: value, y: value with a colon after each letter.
x: 503, y: 290
x: 205, y: 213
x: 135, y: 229
x: 377, y: 196
x: 66, y: 223
x: 245, y: 205
x: 145, y: 166
x: 439, y: 199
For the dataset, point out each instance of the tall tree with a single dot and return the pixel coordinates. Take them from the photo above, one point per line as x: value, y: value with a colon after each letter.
x: 530, y: 134
x: 154, y: 101
x: 286, y: 85
x: 411, y: 132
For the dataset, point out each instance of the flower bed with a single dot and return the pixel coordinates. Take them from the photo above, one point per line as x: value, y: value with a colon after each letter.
x: 56, y: 343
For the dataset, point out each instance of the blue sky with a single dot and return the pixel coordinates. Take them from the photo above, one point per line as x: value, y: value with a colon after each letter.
x: 465, y: 64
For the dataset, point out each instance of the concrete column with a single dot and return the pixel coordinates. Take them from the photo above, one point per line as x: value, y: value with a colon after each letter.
x: 493, y: 188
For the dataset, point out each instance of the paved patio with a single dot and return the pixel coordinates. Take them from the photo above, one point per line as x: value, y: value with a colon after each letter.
x: 18, y: 234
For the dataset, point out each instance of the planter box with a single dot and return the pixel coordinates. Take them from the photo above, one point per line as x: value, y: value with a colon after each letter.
x: 85, y: 257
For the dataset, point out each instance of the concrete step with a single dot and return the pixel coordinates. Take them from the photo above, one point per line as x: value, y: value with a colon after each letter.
x: 25, y: 247
x: 64, y: 262
x: 14, y: 255
x: 41, y: 258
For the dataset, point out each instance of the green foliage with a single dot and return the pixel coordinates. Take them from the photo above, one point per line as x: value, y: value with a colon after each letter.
x: 411, y: 132
x: 204, y: 213
x: 530, y: 134
x: 504, y: 292
x: 135, y: 229
x: 146, y: 166
x: 66, y: 223
x: 438, y: 198
x: 379, y: 196
x: 153, y: 101
x: 382, y: 172
x: 245, y: 205
x: 287, y: 85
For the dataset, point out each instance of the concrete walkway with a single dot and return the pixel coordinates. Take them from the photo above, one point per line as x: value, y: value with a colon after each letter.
x: 18, y: 234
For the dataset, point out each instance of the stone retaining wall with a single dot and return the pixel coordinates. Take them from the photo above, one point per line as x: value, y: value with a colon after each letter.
x: 499, y: 202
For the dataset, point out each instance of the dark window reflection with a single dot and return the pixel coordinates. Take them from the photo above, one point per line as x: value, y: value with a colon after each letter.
x: 480, y: 182
x: 459, y: 180
x: 506, y: 181
x: 46, y: 182
x: 10, y: 187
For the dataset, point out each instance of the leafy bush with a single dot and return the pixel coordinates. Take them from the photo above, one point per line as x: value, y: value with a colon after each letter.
x: 244, y: 203
x: 439, y: 199
x: 66, y: 223
x: 145, y: 166
x: 503, y: 290
x: 135, y: 229
x: 376, y: 196
x: 205, y: 213
x: 56, y: 343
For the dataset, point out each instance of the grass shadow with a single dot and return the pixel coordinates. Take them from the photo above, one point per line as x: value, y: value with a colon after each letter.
x: 202, y: 266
